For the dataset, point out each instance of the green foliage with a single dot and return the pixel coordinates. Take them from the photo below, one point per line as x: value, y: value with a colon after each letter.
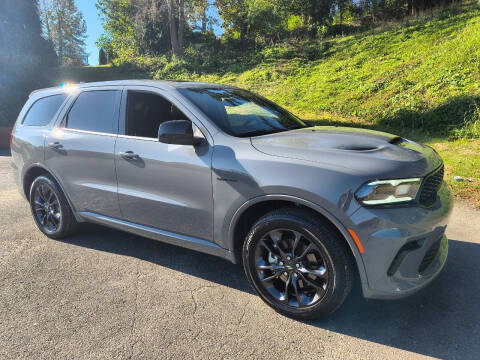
x: 294, y: 22
x: 470, y: 128
x: 234, y: 15
x: 264, y: 19
x: 276, y: 53
x: 156, y: 27
x: 118, y: 39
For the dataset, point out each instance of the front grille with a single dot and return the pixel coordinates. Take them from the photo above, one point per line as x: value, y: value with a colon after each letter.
x: 430, y: 256
x: 430, y: 187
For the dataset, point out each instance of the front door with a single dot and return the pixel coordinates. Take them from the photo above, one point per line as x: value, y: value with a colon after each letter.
x: 167, y: 187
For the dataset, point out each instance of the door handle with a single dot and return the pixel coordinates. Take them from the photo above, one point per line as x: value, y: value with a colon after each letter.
x: 129, y: 155
x: 55, y: 145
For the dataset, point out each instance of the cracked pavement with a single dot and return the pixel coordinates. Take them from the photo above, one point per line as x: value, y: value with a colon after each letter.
x: 108, y: 294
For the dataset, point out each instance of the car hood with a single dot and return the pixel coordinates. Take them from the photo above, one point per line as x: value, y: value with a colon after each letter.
x: 359, y: 150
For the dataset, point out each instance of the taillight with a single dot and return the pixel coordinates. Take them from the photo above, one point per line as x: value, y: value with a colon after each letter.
x: 11, y: 137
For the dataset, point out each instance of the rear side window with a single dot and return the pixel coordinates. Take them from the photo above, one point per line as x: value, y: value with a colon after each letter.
x: 43, y: 110
x: 94, y: 111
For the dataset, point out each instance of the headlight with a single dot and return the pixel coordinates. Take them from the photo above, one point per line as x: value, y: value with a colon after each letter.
x: 388, y: 191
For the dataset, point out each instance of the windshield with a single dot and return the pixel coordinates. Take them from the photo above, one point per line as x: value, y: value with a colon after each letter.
x: 241, y: 113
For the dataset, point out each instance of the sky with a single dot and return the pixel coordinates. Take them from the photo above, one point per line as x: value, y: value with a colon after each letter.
x: 94, y: 26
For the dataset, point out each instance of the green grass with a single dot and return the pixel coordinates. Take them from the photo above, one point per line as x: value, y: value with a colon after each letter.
x: 419, y: 79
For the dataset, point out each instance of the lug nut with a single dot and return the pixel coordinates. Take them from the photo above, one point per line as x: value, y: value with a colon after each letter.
x: 297, y: 265
x: 285, y: 273
x: 289, y: 258
x: 281, y: 263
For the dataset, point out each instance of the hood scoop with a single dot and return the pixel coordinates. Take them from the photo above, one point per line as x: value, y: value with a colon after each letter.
x: 357, y: 147
x: 396, y: 140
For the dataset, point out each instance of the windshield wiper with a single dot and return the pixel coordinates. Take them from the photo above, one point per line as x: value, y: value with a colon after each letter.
x: 260, y: 132
x: 268, y: 132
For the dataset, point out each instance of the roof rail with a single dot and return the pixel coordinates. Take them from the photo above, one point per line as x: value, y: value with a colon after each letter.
x: 38, y: 90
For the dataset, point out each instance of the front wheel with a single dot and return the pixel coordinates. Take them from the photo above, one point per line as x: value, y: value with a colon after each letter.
x: 298, y: 264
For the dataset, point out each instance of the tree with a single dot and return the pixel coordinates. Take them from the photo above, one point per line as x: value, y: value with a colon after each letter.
x: 152, y: 32
x: 341, y: 6
x: 134, y: 27
x: 395, y: 9
x: 203, y: 6
x: 313, y: 12
x: 25, y: 57
x: 118, y: 18
x: 64, y: 26
x: 176, y: 20
x: 197, y: 11
x: 255, y: 20
x: 102, y: 57
x: 234, y: 16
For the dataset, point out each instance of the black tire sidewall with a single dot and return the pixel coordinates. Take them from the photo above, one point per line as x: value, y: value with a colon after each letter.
x: 335, y: 263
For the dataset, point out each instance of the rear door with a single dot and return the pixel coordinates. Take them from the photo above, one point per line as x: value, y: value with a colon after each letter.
x: 168, y: 187
x: 80, y: 150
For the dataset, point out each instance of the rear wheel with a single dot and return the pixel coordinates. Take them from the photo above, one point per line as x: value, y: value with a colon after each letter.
x: 50, y: 208
x: 297, y: 264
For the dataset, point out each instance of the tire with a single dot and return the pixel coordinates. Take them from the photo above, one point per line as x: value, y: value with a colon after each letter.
x: 292, y: 252
x: 50, y: 209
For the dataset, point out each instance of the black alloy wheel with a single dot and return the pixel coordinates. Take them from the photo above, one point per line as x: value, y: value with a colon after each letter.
x: 298, y: 264
x: 46, y: 208
x: 50, y: 208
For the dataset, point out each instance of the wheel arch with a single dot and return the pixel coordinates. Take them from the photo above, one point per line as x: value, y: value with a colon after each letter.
x: 30, y: 175
x: 36, y: 170
x: 253, y: 209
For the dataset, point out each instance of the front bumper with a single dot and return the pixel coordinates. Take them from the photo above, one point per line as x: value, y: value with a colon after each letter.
x: 404, y: 247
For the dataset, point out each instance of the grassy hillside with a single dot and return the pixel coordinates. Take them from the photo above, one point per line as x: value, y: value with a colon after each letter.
x: 419, y: 79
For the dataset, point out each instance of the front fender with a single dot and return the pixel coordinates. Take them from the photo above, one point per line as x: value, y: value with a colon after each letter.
x: 300, y: 201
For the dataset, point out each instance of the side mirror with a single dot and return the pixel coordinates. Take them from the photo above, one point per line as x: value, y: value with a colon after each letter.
x: 179, y: 132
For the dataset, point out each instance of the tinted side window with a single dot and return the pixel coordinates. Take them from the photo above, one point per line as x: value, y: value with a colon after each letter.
x: 43, y: 110
x: 145, y: 113
x: 94, y: 111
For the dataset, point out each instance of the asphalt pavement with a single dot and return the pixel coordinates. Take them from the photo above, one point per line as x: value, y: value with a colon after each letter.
x: 105, y: 294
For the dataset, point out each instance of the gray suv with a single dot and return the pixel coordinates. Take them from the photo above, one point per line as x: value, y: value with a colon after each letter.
x: 223, y: 171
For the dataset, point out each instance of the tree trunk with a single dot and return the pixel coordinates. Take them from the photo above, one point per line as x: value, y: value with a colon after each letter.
x: 204, y: 20
x: 304, y: 17
x: 60, y: 41
x: 181, y: 25
x: 415, y: 10
x: 173, y: 28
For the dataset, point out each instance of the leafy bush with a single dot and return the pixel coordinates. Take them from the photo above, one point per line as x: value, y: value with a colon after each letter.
x: 294, y: 22
x: 277, y: 53
x: 471, y: 125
